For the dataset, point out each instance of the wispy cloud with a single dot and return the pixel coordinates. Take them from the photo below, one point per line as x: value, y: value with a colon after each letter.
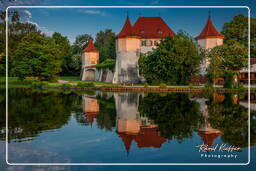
x: 93, y: 12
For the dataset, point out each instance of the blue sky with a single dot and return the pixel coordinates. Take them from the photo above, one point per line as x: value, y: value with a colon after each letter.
x: 72, y: 22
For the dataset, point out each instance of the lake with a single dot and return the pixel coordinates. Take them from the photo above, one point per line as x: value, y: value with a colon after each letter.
x: 64, y: 126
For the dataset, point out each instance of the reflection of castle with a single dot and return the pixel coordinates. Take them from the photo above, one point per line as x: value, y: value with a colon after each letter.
x: 206, y: 132
x: 132, y: 127
x: 90, y: 108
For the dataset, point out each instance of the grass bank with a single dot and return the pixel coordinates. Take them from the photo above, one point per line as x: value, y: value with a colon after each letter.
x: 74, y: 82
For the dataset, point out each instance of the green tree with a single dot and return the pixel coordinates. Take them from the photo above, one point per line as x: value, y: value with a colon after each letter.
x: 175, y: 114
x: 173, y: 62
x: 37, y: 56
x: 80, y: 43
x: 17, y: 31
x: 66, y: 52
x: 237, y: 31
x: 105, y: 43
x: 225, y: 59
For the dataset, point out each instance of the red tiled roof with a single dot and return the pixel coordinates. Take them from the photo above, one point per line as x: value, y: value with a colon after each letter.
x: 147, y: 137
x: 209, y: 138
x: 90, y: 47
x: 90, y: 116
x: 209, y: 31
x: 146, y: 27
x: 253, y: 61
x: 126, y: 30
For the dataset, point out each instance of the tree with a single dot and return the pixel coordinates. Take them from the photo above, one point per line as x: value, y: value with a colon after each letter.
x: 225, y: 59
x: 66, y: 52
x: 105, y: 43
x: 37, y: 56
x: 175, y: 114
x: 173, y: 62
x: 80, y: 43
x: 237, y: 31
x: 17, y: 31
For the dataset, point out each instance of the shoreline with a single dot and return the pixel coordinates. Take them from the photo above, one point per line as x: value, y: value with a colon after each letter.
x: 148, y: 89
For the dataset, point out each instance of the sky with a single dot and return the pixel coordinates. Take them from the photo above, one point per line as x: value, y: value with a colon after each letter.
x: 75, y: 21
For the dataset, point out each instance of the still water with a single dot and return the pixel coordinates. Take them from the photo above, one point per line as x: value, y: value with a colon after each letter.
x: 56, y: 126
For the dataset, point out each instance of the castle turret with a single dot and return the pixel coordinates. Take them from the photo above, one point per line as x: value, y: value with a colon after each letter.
x: 127, y: 50
x: 208, y: 39
x: 90, y: 57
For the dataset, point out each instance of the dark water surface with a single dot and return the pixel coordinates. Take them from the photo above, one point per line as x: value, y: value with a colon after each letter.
x: 54, y: 126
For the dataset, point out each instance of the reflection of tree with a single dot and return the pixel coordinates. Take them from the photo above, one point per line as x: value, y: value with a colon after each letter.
x: 32, y: 112
x: 175, y: 114
x: 232, y: 119
x: 106, y: 119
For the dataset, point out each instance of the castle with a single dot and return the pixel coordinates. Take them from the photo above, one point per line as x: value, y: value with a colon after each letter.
x: 140, y: 38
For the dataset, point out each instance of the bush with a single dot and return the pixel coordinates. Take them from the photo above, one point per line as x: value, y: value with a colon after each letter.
x: 162, y: 85
x: 85, y: 85
x: 145, y: 85
x: 37, y: 84
x: 66, y: 85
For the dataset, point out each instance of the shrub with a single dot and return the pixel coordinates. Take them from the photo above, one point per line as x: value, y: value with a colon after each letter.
x: 66, y: 85
x: 145, y: 85
x: 162, y: 85
x: 37, y: 84
x: 85, y: 85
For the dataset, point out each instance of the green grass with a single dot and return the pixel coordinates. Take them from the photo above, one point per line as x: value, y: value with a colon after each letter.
x: 70, y: 78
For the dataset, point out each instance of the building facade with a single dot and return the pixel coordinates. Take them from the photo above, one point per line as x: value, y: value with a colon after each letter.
x: 133, y: 40
x: 90, y: 58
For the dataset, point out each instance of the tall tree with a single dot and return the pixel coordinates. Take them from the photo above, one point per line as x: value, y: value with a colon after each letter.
x: 226, y: 59
x: 237, y: 30
x: 173, y: 62
x: 105, y: 43
x: 66, y: 51
x: 37, y: 56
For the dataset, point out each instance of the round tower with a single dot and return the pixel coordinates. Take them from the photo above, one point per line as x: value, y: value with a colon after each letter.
x: 127, y: 52
x: 208, y: 39
x: 90, y: 57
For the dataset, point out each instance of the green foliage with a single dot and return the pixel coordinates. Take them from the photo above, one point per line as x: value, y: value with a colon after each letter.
x: 162, y: 85
x: 105, y: 43
x: 145, y: 85
x: 107, y: 64
x: 226, y: 59
x: 17, y: 31
x: 237, y: 31
x: 37, y: 56
x: 176, y: 116
x: 37, y: 84
x: 65, y: 48
x: 66, y: 85
x: 173, y: 62
x: 85, y: 84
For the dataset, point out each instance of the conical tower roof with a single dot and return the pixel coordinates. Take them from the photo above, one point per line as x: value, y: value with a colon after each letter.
x: 90, y: 47
x: 209, y: 31
x: 126, y: 30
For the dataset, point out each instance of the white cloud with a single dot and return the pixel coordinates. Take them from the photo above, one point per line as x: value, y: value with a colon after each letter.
x: 93, y: 12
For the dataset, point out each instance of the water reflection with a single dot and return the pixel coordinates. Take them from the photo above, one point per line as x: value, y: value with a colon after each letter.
x: 150, y: 120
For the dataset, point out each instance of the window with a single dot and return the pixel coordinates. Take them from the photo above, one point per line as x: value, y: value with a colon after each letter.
x: 156, y: 43
x: 143, y: 42
x: 149, y: 43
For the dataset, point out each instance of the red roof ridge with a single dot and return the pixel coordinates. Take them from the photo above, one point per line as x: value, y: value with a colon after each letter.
x: 146, y: 27
x: 209, y: 31
x: 90, y: 47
